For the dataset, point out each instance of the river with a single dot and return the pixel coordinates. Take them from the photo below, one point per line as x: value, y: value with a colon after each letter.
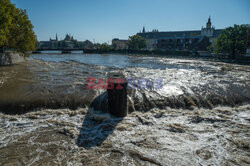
x: 200, y: 116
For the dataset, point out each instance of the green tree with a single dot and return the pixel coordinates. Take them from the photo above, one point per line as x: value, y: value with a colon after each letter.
x: 105, y: 47
x: 16, y: 30
x: 136, y: 42
x: 5, y: 21
x: 232, y: 41
x: 37, y: 44
x: 114, y: 46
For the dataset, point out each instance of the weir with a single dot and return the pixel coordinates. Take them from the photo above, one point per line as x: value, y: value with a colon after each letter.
x: 53, y: 82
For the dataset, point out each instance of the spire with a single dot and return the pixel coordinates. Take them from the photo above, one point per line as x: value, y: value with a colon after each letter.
x: 143, y: 30
x: 56, y: 37
x: 209, y: 22
x: 67, y: 38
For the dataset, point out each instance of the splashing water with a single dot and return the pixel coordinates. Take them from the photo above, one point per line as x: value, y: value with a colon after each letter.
x: 200, y: 117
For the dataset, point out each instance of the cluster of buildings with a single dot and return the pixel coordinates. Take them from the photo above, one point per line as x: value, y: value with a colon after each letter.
x: 176, y: 40
x: 67, y: 42
x: 197, y: 40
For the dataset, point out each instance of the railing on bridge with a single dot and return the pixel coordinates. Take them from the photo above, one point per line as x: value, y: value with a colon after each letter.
x: 63, y: 50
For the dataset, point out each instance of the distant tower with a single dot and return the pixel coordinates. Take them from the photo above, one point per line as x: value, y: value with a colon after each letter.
x: 56, y: 38
x: 209, y: 24
x: 208, y: 30
x: 143, y: 30
x: 67, y: 38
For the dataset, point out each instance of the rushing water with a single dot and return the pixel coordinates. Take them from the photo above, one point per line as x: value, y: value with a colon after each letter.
x: 109, y: 60
x: 199, y: 117
x: 59, y: 81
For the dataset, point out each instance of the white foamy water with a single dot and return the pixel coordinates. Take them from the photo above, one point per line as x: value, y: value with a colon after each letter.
x: 159, y: 137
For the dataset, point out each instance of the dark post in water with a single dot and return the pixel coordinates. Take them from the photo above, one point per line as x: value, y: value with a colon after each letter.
x: 117, y: 95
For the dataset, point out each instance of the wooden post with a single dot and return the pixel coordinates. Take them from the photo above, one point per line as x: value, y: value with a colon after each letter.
x: 117, y: 95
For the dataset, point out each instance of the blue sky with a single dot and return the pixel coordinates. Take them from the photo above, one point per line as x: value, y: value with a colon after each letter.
x: 102, y: 20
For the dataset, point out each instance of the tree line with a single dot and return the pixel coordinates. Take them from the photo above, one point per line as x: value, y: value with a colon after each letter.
x: 232, y: 41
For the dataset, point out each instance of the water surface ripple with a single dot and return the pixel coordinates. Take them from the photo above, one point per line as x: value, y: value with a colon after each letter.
x: 199, y: 117
x: 59, y: 81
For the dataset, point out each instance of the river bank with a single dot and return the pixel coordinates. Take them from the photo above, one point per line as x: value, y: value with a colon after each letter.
x: 10, y: 58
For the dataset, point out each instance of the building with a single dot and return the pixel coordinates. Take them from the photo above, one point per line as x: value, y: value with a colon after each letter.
x: 68, y: 38
x: 181, y: 40
x: 119, y: 44
x: 86, y: 44
x: 51, y: 44
x: 54, y: 39
x: 68, y: 42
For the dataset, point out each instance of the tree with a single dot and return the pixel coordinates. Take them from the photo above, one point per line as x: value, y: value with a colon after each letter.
x: 232, y: 41
x: 105, y: 47
x: 16, y: 30
x: 5, y: 21
x: 136, y: 42
x: 114, y: 46
x: 38, y: 44
x: 203, y: 45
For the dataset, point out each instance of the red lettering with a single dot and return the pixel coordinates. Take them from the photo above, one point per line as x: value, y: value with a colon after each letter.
x: 100, y: 84
x: 110, y: 83
x: 118, y: 82
x: 90, y: 82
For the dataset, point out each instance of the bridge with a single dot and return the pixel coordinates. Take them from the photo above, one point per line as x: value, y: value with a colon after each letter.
x: 63, y: 50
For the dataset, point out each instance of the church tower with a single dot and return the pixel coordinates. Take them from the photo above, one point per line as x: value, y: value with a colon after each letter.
x: 209, y: 24
x: 143, y: 30
x: 56, y: 38
x: 208, y: 30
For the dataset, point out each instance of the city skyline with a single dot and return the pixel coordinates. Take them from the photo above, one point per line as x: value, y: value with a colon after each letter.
x: 100, y: 21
